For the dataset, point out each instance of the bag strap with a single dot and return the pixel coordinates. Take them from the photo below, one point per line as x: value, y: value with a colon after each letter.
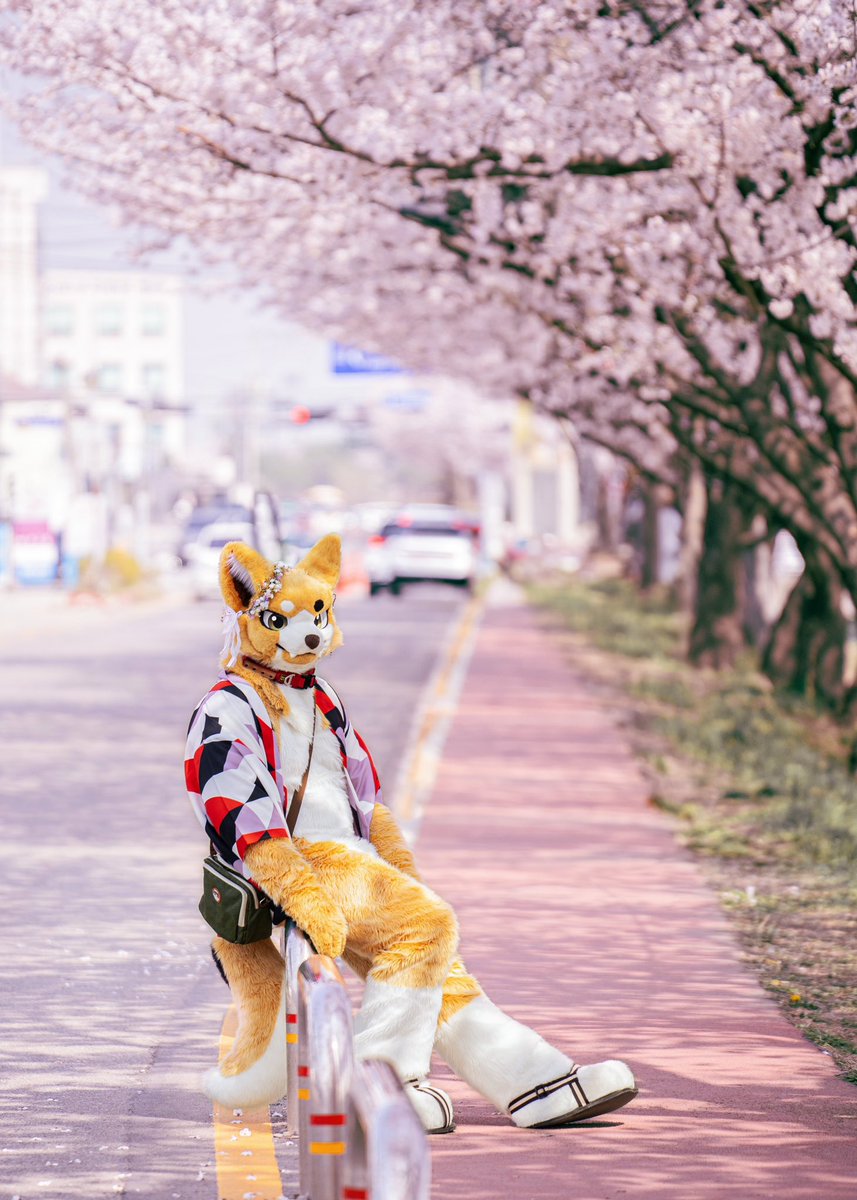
x: 298, y: 797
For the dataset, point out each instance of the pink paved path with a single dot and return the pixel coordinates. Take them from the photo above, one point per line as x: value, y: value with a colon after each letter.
x: 582, y: 916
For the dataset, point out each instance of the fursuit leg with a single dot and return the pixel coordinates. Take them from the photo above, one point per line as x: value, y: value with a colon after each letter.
x: 402, y: 939
x: 516, y: 1069
x: 254, y: 1070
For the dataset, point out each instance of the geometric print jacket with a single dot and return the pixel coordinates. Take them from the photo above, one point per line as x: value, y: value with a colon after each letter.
x: 233, y: 774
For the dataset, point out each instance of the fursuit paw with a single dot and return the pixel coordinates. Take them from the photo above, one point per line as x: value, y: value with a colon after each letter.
x: 284, y: 875
x: 327, y: 931
x: 581, y: 1093
x: 433, y: 1106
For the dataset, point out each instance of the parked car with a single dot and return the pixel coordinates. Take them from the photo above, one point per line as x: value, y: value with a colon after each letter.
x: 422, y: 543
x: 209, y: 514
x: 203, y: 554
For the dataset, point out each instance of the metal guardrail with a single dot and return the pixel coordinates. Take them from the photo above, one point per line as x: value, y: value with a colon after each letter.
x: 298, y: 949
x: 359, y: 1137
x: 387, y: 1155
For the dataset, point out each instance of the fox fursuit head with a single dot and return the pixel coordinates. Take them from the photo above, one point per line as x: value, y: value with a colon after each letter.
x: 344, y: 873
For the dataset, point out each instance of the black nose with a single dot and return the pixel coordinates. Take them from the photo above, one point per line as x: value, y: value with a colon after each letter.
x: 312, y: 640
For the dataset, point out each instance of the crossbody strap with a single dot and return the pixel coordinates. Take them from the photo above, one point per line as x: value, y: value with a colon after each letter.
x: 298, y: 798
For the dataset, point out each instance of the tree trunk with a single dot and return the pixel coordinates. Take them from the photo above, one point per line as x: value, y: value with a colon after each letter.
x: 692, y: 539
x: 806, y: 651
x: 651, y: 542
x: 718, y: 636
x: 607, y: 501
x: 756, y: 627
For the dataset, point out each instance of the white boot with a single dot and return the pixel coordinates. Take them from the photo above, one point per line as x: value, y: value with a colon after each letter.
x: 524, y: 1076
x: 398, y: 1024
x: 262, y: 1083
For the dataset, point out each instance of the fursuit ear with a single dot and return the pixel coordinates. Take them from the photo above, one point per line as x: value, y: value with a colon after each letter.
x: 242, y: 572
x: 324, y: 561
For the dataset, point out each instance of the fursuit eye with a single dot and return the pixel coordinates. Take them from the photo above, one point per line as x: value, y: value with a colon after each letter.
x: 273, y: 620
x: 322, y: 619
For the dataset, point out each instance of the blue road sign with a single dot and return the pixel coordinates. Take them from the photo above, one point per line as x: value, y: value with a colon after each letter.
x: 348, y: 360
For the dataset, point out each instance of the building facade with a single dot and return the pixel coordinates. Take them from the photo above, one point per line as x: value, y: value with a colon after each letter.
x: 114, y: 342
x: 21, y: 191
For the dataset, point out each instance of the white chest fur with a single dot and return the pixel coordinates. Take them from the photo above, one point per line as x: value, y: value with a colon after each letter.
x: 325, y: 813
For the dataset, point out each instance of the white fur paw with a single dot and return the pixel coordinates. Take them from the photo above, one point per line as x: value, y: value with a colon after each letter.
x: 248, y: 1090
x: 264, y: 1082
x: 433, y: 1106
x: 581, y: 1093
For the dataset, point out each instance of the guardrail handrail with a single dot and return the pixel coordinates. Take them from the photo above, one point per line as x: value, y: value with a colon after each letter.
x: 325, y: 1065
x: 387, y: 1156
x: 298, y: 950
x: 359, y: 1137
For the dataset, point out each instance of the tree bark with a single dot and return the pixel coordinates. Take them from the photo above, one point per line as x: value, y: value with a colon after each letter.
x: 692, y: 539
x: 605, y: 513
x: 718, y: 633
x: 651, y: 542
x: 805, y: 654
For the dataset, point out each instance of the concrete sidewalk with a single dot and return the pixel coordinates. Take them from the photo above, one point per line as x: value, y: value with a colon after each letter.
x: 582, y: 916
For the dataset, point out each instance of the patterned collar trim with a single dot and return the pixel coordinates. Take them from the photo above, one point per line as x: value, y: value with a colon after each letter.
x: 293, y: 679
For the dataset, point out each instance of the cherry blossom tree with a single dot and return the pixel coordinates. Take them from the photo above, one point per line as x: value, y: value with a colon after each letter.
x: 638, y: 215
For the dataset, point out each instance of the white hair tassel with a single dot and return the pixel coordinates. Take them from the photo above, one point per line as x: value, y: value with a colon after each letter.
x: 231, y: 636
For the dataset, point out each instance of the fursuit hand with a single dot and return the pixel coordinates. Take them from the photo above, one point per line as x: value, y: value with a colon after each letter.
x: 284, y: 875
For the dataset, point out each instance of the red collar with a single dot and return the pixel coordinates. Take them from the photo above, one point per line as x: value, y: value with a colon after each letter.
x: 292, y: 679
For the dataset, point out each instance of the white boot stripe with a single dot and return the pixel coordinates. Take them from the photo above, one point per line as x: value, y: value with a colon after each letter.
x: 548, y: 1089
x: 436, y: 1094
x: 441, y: 1097
x: 578, y: 1092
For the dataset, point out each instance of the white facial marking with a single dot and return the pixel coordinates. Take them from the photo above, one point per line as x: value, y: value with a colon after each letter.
x: 292, y: 639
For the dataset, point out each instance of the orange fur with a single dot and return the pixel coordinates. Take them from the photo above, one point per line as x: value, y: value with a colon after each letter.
x: 286, y: 876
x: 407, y: 933
x: 255, y: 974
x: 460, y: 987
x: 324, y: 561
x: 387, y: 839
x: 313, y: 579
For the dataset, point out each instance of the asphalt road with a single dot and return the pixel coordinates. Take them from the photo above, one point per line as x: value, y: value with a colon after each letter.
x: 111, y: 1007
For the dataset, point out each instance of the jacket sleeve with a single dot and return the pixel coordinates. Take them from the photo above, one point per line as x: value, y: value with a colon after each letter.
x: 229, y: 781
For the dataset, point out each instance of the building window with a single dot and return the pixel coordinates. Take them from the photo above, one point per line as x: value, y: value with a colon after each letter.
x: 59, y: 319
x: 108, y: 319
x: 154, y: 379
x: 153, y: 320
x: 109, y: 378
x: 58, y: 375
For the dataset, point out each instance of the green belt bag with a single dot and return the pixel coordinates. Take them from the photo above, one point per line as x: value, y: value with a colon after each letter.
x: 231, y: 905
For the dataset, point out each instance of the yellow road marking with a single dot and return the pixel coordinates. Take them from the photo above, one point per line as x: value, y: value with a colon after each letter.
x: 424, y: 759
x: 231, y: 1143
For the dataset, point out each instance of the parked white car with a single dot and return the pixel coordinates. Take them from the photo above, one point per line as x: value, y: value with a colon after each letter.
x: 421, y: 543
x: 203, y: 554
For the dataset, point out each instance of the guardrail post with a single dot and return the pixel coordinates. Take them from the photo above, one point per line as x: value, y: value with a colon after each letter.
x: 298, y: 950
x: 325, y: 1066
x: 387, y: 1156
